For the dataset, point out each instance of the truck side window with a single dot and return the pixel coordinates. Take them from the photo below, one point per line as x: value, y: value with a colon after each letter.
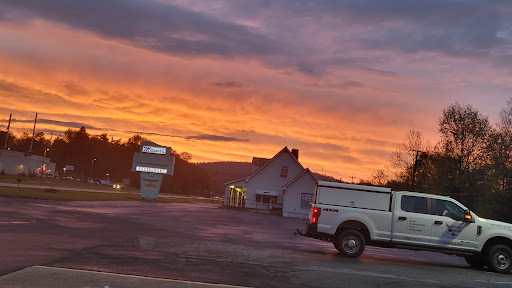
x: 414, y: 204
x: 449, y: 209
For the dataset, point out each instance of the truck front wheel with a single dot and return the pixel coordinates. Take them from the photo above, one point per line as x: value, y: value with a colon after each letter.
x: 350, y: 243
x: 499, y: 258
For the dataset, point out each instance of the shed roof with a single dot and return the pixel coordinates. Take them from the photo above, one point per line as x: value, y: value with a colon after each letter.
x: 305, y: 171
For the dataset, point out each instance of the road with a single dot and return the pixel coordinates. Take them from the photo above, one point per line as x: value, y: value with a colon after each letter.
x: 204, y: 243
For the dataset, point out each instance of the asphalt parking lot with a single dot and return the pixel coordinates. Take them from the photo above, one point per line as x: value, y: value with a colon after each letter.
x: 150, y: 244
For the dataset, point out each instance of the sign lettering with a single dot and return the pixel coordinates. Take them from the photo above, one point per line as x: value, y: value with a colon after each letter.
x: 154, y: 150
x: 150, y: 169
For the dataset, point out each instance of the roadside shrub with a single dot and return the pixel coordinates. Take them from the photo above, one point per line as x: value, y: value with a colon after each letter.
x: 2, y: 173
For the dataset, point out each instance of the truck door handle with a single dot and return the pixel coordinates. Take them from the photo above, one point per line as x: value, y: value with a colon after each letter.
x: 438, y: 222
x: 402, y: 218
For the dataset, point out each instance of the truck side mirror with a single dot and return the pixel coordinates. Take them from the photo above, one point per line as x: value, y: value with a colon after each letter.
x: 468, y: 218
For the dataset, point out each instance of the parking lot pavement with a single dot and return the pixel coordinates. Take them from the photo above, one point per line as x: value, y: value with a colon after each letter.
x: 44, y: 277
x: 200, y: 242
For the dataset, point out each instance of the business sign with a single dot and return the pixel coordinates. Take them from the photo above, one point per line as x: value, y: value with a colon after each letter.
x: 153, y: 161
x: 154, y: 150
x: 69, y: 168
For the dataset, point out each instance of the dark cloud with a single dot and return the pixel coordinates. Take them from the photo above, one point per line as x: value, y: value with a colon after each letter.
x: 216, y: 138
x: 67, y: 124
x: 73, y: 88
x: 229, y: 84
x: 457, y: 28
x: 350, y: 84
x: 451, y: 27
x: 151, y: 25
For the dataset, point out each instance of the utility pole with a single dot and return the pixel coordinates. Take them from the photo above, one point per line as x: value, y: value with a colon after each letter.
x: 352, y: 178
x: 7, y: 133
x: 33, y: 134
x: 92, y: 165
x: 415, y: 167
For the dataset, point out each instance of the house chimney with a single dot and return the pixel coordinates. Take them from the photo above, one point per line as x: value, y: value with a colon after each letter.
x: 295, y: 152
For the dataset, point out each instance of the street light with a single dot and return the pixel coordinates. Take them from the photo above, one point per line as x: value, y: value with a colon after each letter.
x: 43, y: 168
x: 92, y: 165
x: 108, y: 178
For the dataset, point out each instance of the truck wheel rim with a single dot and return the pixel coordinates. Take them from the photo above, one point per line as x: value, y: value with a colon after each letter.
x: 502, y: 259
x: 351, y: 244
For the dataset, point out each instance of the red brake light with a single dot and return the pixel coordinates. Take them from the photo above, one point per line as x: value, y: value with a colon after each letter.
x: 315, y: 214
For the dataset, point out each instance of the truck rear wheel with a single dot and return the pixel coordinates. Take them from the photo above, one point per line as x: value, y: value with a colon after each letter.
x: 476, y: 261
x: 350, y: 243
x: 499, y: 258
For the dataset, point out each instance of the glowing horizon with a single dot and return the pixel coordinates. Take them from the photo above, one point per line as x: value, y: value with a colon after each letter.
x: 342, y: 81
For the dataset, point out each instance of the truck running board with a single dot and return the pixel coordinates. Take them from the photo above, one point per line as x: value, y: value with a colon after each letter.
x: 445, y: 251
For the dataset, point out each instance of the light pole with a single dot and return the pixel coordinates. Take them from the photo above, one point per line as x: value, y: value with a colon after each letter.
x: 43, y: 168
x: 108, y: 178
x: 92, y: 165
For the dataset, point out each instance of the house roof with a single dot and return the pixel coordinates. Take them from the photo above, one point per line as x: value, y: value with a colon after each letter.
x: 267, y: 162
x: 305, y: 171
x: 236, y: 180
x: 284, y: 150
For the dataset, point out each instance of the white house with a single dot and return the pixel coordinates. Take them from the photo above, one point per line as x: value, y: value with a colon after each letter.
x: 298, y: 193
x: 277, y: 183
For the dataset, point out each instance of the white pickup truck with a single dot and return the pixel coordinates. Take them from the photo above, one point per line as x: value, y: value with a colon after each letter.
x: 353, y: 216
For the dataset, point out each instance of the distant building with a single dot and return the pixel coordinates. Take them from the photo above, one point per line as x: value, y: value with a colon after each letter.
x: 13, y: 162
x: 277, y: 183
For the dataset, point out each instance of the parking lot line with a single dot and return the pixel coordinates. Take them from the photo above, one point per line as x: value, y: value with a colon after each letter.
x: 199, y: 284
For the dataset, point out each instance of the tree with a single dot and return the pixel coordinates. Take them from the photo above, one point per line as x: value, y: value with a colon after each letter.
x: 185, y: 156
x: 379, y: 177
x: 464, y: 134
x: 499, y: 150
x: 403, y: 159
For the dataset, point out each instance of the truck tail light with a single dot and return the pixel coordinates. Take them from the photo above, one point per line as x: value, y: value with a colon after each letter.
x: 315, y: 215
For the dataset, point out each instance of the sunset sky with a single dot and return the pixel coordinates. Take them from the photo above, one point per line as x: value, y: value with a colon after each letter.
x: 342, y: 81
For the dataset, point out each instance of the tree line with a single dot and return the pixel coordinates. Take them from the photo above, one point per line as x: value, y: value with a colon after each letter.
x: 471, y: 161
x: 100, y: 157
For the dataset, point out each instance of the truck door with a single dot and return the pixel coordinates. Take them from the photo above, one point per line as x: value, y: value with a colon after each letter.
x: 411, y: 222
x: 449, y: 229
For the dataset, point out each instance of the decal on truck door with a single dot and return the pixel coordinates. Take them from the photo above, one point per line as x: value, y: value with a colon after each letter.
x: 412, y: 223
x: 449, y: 230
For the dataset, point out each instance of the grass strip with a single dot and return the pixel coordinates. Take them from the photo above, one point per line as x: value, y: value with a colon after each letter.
x: 66, y: 195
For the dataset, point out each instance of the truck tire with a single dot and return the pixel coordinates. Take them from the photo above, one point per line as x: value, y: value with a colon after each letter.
x: 476, y: 261
x: 350, y: 243
x: 499, y: 258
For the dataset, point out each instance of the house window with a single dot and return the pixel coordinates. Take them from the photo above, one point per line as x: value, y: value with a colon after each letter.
x: 284, y: 171
x: 265, y: 199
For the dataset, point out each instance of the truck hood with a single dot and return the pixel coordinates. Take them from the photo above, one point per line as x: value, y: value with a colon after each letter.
x: 497, y: 224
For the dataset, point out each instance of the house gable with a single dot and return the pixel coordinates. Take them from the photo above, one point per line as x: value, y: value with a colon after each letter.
x: 291, y: 158
x: 297, y: 195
